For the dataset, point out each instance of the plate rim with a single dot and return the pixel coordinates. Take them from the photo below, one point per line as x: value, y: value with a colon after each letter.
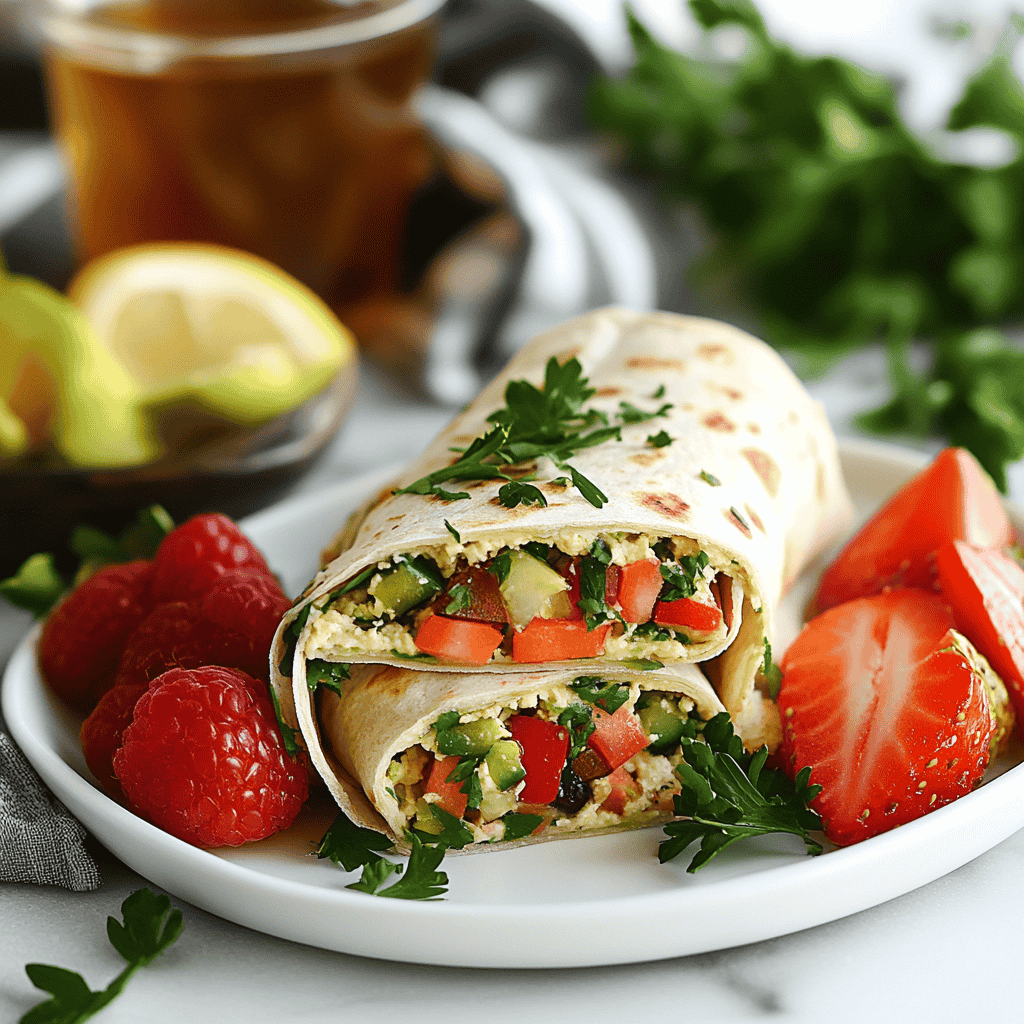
x: 732, y: 911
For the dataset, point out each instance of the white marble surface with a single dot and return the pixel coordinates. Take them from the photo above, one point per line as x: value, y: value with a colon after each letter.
x: 943, y: 952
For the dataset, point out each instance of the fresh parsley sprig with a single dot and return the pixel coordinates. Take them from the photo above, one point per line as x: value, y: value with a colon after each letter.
x: 148, y: 927
x: 350, y: 846
x: 681, y: 576
x: 548, y: 422
x: 729, y: 795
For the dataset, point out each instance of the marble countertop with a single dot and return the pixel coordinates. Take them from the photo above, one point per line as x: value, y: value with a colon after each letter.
x: 939, y: 952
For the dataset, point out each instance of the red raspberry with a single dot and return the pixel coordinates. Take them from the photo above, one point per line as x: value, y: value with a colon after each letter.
x: 102, y: 731
x: 85, y: 634
x: 193, y: 557
x: 176, y: 635
x: 250, y: 604
x: 204, y: 760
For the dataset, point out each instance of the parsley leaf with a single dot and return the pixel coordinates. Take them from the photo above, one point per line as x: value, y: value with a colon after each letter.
x: 659, y: 392
x: 454, y: 831
x: 605, y: 695
x: 537, y: 549
x: 534, y: 423
x: 330, y: 674
x: 288, y: 734
x: 659, y: 440
x: 519, y: 825
x: 501, y: 566
x: 729, y: 795
x: 771, y: 672
x: 351, y: 846
x: 709, y: 478
x: 374, y: 875
x: 421, y: 880
x: 291, y: 638
x: 36, y: 586
x: 579, y: 720
x: 681, y: 576
x: 460, y: 597
x: 148, y: 927
x: 451, y: 529
x: 629, y: 413
x: 593, y: 580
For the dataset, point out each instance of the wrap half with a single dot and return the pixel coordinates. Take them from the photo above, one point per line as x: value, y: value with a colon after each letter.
x: 535, y: 749
x: 724, y: 484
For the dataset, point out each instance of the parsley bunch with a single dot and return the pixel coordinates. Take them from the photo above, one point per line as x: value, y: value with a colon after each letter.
x: 548, y: 422
x: 729, y: 795
x: 846, y: 227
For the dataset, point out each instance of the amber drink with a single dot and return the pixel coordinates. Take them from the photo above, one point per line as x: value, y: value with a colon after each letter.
x: 283, y: 127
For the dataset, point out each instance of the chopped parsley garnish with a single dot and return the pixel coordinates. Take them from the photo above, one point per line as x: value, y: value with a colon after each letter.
x: 604, y: 695
x: 537, y: 549
x: 629, y: 413
x: 771, y: 672
x: 356, y: 581
x: 579, y: 720
x: 349, y: 845
x: 291, y: 637
x: 460, y: 597
x: 451, y: 529
x: 148, y: 927
x: 710, y: 478
x: 454, y: 834
x: 739, y: 518
x: 681, y: 576
x: 330, y: 674
x: 501, y: 566
x: 729, y: 795
x: 659, y: 440
x: 548, y: 422
x: 659, y: 392
x: 652, y: 631
x: 593, y: 581
x: 288, y: 734
x: 644, y: 664
x: 519, y: 825
x: 466, y: 773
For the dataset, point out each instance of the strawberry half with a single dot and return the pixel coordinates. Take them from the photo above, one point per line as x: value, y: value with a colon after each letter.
x: 889, y: 707
x: 986, y: 592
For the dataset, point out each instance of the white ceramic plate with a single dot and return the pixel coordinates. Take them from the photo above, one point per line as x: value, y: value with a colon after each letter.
x: 585, y: 902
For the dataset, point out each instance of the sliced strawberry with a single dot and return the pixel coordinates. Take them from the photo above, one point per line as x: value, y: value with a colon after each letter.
x: 884, y: 703
x: 986, y: 592
x: 475, y: 595
x: 953, y: 499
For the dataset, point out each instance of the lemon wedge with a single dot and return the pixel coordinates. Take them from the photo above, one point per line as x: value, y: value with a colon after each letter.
x: 212, y: 325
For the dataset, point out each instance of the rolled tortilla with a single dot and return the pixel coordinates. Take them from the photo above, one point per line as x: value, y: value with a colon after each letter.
x: 751, y: 478
x: 383, y: 719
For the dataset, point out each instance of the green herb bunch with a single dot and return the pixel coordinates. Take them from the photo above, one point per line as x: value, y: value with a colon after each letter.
x: 845, y: 226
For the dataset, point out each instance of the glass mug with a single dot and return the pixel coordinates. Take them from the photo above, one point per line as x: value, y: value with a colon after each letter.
x: 282, y: 127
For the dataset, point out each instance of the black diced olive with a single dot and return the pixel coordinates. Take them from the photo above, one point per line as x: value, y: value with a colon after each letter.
x: 573, y: 792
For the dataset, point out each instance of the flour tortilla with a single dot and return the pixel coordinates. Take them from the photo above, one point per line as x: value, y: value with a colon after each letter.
x: 752, y: 475
x: 384, y: 710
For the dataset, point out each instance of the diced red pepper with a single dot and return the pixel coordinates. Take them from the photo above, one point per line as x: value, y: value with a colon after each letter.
x: 688, y: 613
x: 453, y: 800
x: 471, y: 643
x: 638, y: 590
x: 611, y: 586
x: 557, y: 640
x: 545, y: 746
x: 616, y: 738
x: 624, y: 789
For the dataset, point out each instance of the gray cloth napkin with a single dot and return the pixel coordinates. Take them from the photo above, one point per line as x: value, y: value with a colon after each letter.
x: 39, y: 840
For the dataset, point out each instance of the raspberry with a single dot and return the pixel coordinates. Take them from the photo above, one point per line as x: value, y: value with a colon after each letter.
x: 250, y: 604
x: 85, y: 634
x: 102, y: 731
x: 177, y: 635
x: 203, y: 759
x: 193, y: 557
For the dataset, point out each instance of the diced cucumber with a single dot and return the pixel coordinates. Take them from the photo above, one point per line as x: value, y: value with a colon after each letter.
x: 405, y: 587
x: 396, y: 771
x: 494, y: 805
x: 504, y: 764
x: 426, y: 820
x: 533, y: 588
x: 474, y: 738
x: 663, y: 722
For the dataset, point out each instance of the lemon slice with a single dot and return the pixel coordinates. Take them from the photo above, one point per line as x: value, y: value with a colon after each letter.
x: 204, y: 323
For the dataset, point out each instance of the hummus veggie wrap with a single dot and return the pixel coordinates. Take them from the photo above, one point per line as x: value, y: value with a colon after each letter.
x: 633, y: 493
